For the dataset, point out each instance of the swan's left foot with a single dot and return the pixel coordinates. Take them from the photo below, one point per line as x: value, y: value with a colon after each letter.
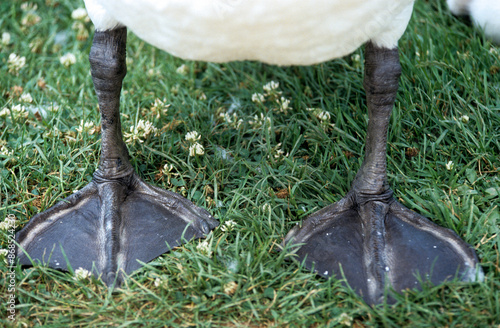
x: 380, y: 243
x: 368, y: 237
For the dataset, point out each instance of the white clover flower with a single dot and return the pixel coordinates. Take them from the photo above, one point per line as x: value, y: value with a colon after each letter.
x: 146, y: 126
x: 356, y: 58
x: 271, y: 86
x: 81, y: 31
x: 4, y: 112
x: 82, y: 274
x: 26, y: 97
x: 192, y: 136
x: 88, y: 127
x: 284, y: 103
x: 26, y: 6
x: 4, y: 225
x: 356, y: 61
x: 345, y: 319
x: 231, y: 120
x: 5, y: 38
x: 160, y: 106
x: 157, y: 282
x: 258, y: 98
x: 183, y: 69
x: 80, y: 14
x: 152, y: 72
x: 168, y: 167
x: 6, y: 152
x: 53, y: 108
x: 260, y: 121
x: 230, y: 288
x: 228, y: 226
x: 196, y: 149
x: 19, y: 111
x: 450, y: 165
x: 323, y: 116
x: 204, y: 248
x: 15, y: 63
x: 68, y: 59
x: 30, y: 19
x: 140, y: 132
x: 279, y: 154
x: 12, y: 221
x: 225, y: 117
x: 464, y: 119
x: 18, y: 108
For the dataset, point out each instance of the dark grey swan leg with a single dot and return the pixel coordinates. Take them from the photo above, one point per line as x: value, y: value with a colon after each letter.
x: 117, y: 218
x: 369, y: 237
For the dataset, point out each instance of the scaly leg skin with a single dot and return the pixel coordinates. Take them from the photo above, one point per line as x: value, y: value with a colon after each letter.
x: 117, y: 219
x: 368, y: 237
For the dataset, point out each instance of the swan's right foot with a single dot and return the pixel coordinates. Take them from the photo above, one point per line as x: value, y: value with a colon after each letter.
x: 369, y: 237
x: 379, y: 243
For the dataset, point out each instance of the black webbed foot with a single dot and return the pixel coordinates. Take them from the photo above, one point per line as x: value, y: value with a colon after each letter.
x: 117, y: 219
x: 110, y: 225
x: 381, y: 244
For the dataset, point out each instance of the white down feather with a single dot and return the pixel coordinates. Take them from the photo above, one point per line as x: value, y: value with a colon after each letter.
x: 484, y: 13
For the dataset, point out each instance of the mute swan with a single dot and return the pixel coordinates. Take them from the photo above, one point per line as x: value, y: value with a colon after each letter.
x: 367, y: 236
x: 484, y: 13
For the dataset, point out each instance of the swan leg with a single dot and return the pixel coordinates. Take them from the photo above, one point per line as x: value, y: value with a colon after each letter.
x: 368, y: 237
x: 117, y: 219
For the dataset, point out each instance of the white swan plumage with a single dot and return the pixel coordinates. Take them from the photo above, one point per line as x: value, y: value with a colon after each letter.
x: 484, y: 13
x: 280, y: 32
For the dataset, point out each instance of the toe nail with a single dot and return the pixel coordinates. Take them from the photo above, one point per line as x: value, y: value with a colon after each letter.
x: 204, y: 227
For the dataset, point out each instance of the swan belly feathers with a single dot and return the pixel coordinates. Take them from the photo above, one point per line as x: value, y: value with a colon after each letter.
x: 283, y: 32
x: 484, y: 13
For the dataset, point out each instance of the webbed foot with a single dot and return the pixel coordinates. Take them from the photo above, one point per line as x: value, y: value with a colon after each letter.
x: 111, y: 225
x: 117, y: 219
x: 381, y: 243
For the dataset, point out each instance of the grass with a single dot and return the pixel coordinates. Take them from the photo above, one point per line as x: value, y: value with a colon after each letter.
x: 264, y: 174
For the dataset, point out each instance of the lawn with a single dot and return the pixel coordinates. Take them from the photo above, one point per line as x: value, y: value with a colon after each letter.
x: 268, y: 161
